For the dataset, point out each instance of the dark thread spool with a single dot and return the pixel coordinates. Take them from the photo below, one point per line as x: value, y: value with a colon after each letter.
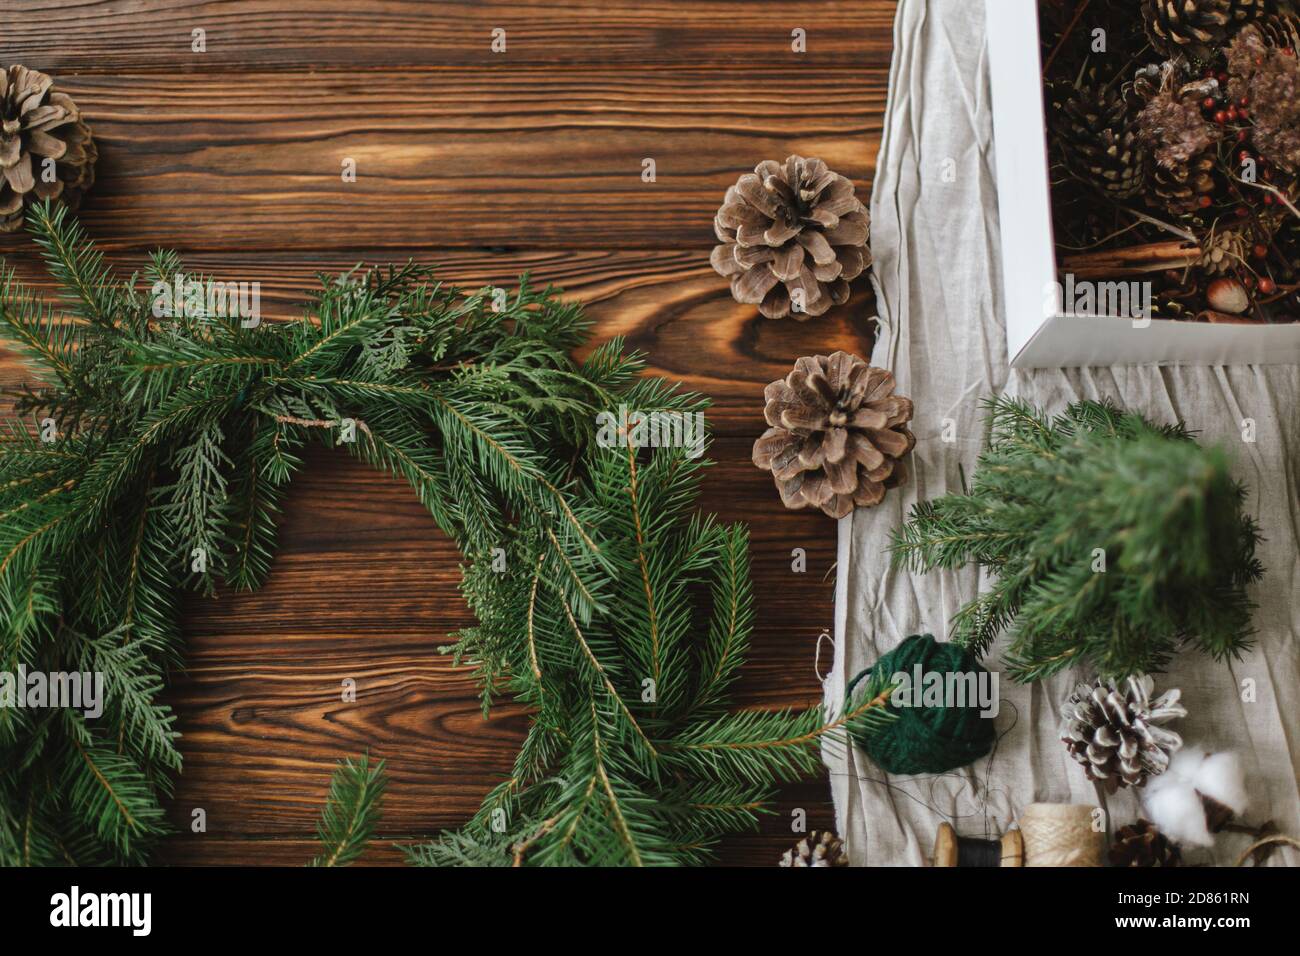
x: 951, y: 850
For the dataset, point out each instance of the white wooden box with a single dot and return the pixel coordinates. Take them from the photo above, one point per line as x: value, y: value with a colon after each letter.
x: 1038, y: 335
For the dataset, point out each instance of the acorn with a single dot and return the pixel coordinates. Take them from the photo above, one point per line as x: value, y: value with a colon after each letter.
x: 1228, y: 295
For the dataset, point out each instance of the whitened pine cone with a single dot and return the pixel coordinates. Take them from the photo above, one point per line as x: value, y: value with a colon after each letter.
x: 39, y: 125
x: 837, y: 434
x: 793, y: 236
x: 1116, y: 731
x: 817, y: 849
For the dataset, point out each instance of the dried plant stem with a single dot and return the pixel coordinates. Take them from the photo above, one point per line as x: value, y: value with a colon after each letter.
x: 1065, y: 35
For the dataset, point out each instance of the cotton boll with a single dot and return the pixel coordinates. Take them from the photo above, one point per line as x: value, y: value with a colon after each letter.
x: 1185, y: 766
x: 1174, y: 806
x: 1173, y: 800
x: 1220, y: 777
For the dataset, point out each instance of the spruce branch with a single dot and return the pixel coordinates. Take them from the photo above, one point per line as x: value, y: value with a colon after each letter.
x: 352, y: 811
x: 1115, y: 543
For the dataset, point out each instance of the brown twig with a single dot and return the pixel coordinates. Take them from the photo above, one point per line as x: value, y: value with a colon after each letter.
x: 1078, y: 15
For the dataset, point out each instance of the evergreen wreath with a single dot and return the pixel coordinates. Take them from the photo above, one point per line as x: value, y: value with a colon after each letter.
x: 174, y: 441
x: 1115, y: 543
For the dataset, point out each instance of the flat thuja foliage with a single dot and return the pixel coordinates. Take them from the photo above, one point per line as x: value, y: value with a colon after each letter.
x: 1114, y: 543
x: 153, y: 453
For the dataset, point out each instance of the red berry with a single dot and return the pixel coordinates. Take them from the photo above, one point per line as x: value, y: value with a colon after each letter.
x: 1242, y: 112
x: 1221, y: 117
x: 1223, y: 79
x: 1243, y: 155
x: 1242, y: 136
x: 1242, y: 212
x: 1268, y: 199
x: 1209, y: 103
x: 1205, y: 202
x: 1244, y: 101
x: 1260, y: 250
x: 1267, y: 286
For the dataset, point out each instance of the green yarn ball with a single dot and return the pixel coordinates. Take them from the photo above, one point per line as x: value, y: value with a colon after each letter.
x: 927, y: 739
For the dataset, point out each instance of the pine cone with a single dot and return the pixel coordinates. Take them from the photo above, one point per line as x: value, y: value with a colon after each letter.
x: 1224, y: 251
x: 1179, y: 190
x: 1197, y: 28
x: 1115, y: 730
x: 38, y: 123
x: 793, y: 236
x: 1141, y: 844
x: 817, y: 849
x: 838, y: 432
x: 1096, y: 135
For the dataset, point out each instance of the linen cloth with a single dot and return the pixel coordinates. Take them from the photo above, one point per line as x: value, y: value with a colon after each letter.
x: 935, y: 237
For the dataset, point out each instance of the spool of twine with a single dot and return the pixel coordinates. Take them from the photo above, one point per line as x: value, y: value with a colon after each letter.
x: 1060, y: 834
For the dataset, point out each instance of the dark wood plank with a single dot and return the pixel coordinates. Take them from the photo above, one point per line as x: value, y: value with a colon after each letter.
x: 121, y: 35
x: 501, y: 158
x: 669, y: 305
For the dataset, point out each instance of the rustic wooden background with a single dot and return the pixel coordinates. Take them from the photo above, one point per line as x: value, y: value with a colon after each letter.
x: 487, y: 164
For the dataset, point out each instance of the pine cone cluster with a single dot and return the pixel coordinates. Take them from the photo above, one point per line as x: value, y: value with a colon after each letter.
x: 817, y: 849
x: 1196, y: 28
x: 1097, y: 137
x: 1116, y: 731
x: 1141, y: 844
x: 837, y: 434
x: 793, y: 236
x: 46, y: 151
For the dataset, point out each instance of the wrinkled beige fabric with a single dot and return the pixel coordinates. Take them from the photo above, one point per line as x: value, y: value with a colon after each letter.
x: 938, y: 276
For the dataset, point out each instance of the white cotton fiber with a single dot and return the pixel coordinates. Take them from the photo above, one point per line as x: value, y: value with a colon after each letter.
x: 1172, y: 800
x: 1220, y: 778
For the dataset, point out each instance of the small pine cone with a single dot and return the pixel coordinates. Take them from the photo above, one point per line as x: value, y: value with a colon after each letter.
x: 1197, y: 28
x: 793, y: 236
x: 817, y: 849
x: 1179, y: 190
x: 1224, y: 251
x: 1115, y: 730
x: 1096, y: 135
x: 837, y: 434
x: 1141, y: 844
x: 38, y: 124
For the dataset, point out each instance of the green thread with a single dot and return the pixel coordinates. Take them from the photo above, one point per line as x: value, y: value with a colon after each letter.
x: 926, y: 739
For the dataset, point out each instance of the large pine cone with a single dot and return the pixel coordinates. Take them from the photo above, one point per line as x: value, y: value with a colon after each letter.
x: 793, y: 236
x: 1141, y: 844
x: 1116, y: 730
x: 1197, y: 28
x: 38, y: 123
x: 1096, y: 136
x: 838, y: 432
x: 817, y: 849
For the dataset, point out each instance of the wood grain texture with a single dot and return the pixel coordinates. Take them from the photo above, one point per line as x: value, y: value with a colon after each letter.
x: 487, y: 165
x: 125, y: 35
x: 468, y: 158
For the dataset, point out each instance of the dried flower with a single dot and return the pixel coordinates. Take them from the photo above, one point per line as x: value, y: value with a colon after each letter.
x: 1269, y: 80
x: 1172, y: 125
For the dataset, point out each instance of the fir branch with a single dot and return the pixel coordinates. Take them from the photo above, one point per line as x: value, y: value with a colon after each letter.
x: 352, y: 811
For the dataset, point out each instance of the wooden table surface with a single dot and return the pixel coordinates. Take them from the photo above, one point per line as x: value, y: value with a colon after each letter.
x: 487, y: 164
